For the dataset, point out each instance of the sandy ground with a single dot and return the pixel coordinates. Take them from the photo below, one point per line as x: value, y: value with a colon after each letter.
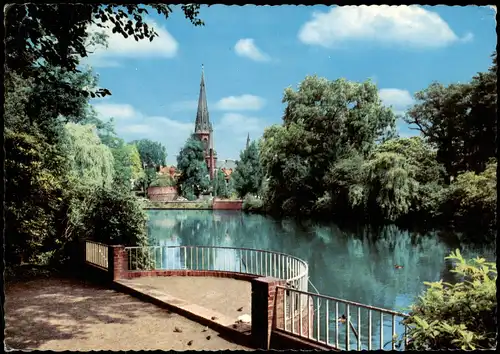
x: 223, y: 295
x: 67, y: 314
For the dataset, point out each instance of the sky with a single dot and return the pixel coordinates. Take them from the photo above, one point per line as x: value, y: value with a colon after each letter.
x: 252, y: 53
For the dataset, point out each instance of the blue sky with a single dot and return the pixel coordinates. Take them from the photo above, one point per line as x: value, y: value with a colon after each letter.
x: 252, y: 53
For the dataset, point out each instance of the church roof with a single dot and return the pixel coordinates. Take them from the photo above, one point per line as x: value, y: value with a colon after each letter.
x: 202, y: 124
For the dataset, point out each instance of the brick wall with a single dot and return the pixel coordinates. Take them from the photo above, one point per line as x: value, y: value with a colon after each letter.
x: 219, y: 204
x: 162, y: 194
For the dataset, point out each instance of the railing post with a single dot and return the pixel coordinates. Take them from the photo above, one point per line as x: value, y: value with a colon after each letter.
x: 265, y: 304
x: 118, y: 262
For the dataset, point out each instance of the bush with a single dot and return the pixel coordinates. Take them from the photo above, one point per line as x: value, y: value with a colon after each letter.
x: 457, y: 316
x: 472, y: 199
x: 252, y: 204
x: 163, y: 181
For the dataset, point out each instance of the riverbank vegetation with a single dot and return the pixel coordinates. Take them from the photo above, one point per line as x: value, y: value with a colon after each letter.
x: 67, y: 175
x: 337, y: 155
x: 458, y: 316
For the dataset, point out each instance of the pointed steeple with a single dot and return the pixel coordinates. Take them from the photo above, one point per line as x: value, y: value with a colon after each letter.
x: 202, y: 119
x: 248, y: 140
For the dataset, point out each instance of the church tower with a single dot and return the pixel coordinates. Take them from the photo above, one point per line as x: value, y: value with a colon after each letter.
x: 203, y: 128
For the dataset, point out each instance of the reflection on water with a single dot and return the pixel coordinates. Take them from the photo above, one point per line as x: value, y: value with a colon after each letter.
x: 352, y: 265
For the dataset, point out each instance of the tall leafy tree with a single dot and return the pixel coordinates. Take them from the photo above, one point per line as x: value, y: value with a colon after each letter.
x: 247, y: 176
x: 460, y: 121
x: 92, y: 162
x: 324, y: 120
x: 221, y: 186
x: 153, y: 153
x: 194, y: 177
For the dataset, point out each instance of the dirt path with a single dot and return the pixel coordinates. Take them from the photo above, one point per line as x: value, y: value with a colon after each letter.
x: 67, y: 314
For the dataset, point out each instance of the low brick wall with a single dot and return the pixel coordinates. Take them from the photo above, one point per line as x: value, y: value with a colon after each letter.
x: 162, y: 194
x: 181, y: 205
x: 219, y: 204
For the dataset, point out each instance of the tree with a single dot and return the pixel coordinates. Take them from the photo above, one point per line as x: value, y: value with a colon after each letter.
x: 135, y: 163
x: 471, y: 200
x: 220, y: 185
x: 391, y: 185
x: 323, y: 122
x: 92, y: 163
x: 153, y: 154
x: 457, y: 316
x: 34, y: 185
x: 459, y: 121
x: 248, y: 174
x: 194, y: 172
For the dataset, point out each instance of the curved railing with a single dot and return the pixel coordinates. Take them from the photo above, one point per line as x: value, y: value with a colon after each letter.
x: 217, y: 258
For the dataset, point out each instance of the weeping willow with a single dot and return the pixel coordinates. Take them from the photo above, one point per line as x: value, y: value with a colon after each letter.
x: 392, y: 183
x: 92, y: 162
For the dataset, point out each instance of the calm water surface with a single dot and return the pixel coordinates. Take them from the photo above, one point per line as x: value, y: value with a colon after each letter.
x: 356, y: 266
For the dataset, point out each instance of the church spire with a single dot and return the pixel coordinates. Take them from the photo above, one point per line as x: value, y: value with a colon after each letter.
x: 202, y: 119
x: 248, y: 140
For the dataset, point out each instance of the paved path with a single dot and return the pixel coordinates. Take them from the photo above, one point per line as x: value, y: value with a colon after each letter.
x: 222, y: 295
x: 65, y: 314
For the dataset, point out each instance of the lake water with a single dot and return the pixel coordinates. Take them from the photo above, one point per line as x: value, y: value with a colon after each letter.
x: 356, y: 266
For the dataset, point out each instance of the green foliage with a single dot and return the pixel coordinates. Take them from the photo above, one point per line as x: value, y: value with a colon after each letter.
x: 252, y: 204
x: 63, y: 164
x: 391, y: 183
x: 248, y: 175
x: 152, y: 153
x: 92, y: 162
x: 460, y: 121
x: 163, y: 181
x: 221, y: 186
x: 34, y: 183
x: 137, y: 171
x: 194, y: 177
x: 457, y: 316
x: 324, y: 121
x: 474, y: 197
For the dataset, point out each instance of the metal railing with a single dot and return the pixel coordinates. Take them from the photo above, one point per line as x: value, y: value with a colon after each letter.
x: 229, y: 259
x: 96, y: 253
x: 350, y: 325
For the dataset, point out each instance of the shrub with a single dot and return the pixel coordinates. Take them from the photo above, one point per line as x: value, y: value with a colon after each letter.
x: 252, y: 204
x: 163, y: 181
x: 472, y: 199
x: 457, y: 316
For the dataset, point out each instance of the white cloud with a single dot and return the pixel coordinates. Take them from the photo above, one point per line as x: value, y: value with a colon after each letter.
x: 163, y: 46
x: 398, y: 99
x: 247, y: 48
x: 240, y: 103
x: 494, y: 8
x: 117, y: 111
x: 402, y: 25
